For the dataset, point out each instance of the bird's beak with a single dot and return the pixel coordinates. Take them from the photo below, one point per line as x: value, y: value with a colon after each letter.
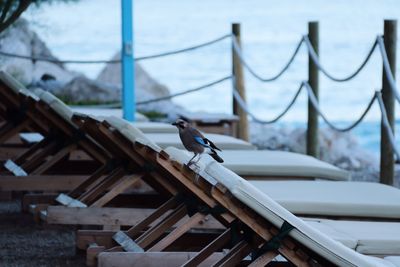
x: 174, y: 123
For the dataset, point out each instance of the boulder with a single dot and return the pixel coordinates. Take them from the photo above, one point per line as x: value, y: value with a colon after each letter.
x: 340, y: 149
x: 21, y: 40
x: 82, y: 89
x: 146, y: 88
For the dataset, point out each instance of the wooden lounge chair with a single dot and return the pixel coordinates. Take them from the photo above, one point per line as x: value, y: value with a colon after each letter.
x: 46, y: 165
x: 136, y: 138
x: 270, y: 229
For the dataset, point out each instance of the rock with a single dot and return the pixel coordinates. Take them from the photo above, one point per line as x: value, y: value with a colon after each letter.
x: 339, y: 149
x: 83, y: 89
x: 143, y: 81
x: 19, y: 39
x: 146, y: 88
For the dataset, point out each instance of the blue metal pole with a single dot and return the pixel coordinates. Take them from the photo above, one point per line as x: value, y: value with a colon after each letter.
x: 128, y: 67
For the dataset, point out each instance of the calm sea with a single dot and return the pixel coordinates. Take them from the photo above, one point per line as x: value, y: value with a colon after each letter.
x: 90, y: 29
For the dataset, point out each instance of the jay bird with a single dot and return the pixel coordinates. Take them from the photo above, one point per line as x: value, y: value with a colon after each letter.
x: 195, y: 142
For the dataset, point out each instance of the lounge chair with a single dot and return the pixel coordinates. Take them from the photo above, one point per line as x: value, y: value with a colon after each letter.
x: 254, y: 209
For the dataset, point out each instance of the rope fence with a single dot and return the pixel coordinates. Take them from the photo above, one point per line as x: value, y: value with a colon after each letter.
x: 379, y: 43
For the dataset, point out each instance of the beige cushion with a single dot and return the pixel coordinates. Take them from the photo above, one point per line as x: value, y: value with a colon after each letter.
x: 56, y: 104
x: 395, y: 260
x: 130, y: 132
x: 334, y: 198
x: 15, y: 85
x: 221, y: 141
x: 280, y: 163
x: 322, y: 197
x: 11, y: 82
x: 276, y: 214
x: 108, y: 112
x: 374, y: 238
x: 264, y: 164
x: 155, y: 127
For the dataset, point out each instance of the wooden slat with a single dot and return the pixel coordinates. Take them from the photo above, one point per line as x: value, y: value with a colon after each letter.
x: 119, y: 188
x: 235, y: 255
x: 165, y: 259
x: 217, y: 244
x: 40, y: 182
x: 54, y: 159
x: 32, y: 150
x: 156, y: 231
x: 38, y: 158
x: 170, y: 204
x: 95, y: 215
x: 257, y: 224
x: 178, y: 232
x: 264, y: 259
x: 79, y: 189
x: 100, y: 188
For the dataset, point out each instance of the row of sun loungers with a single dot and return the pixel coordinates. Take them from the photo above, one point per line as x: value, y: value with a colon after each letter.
x: 141, y: 205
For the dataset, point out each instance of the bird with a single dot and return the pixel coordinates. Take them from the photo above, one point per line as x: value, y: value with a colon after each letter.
x: 195, y: 142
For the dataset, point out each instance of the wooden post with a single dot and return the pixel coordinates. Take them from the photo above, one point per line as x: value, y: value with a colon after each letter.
x: 387, y: 156
x: 312, y: 128
x: 238, y: 83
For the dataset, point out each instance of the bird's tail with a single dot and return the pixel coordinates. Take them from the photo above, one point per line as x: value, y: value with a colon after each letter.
x: 216, y: 156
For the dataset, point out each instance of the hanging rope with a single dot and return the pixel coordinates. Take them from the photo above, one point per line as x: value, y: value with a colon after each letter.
x: 317, y: 62
x: 238, y: 51
x: 386, y: 125
x: 386, y: 67
x: 246, y: 109
x: 314, y: 102
x: 52, y: 60
x: 184, y: 92
x: 184, y: 49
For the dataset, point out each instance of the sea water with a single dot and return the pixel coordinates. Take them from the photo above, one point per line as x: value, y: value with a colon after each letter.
x: 90, y: 29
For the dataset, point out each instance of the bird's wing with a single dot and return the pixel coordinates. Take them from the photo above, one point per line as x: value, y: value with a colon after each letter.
x: 201, y: 141
x: 211, y: 144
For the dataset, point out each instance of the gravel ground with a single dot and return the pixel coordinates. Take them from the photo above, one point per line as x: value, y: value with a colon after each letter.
x: 26, y: 243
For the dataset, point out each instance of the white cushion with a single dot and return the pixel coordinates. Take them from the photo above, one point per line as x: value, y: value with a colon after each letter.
x: 395, y: 260
x: 334, y: 198
x: 280, y: 163
x: 98, y: 112
x: 277, y: 215
x: 264, y: 164
x: 11, y: 82
x: 56, y: 104
x: 221, y: 141
x: 374, y: 238
x: 130, y: 132
x: 154, y: 127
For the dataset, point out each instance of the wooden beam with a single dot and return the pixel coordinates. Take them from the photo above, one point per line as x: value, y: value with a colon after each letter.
x: 102, y: 186
x: 40, y: 182
x: 168, y: 205
x: 157, y: 230
x: 214, y: 246
x: 95, y: 215
x: 235, y: 255
x: 258, y: 224
x: 165, y: 259
x: 264, y: 259
x: 178, y: 232
x: 119, y: 188
x: 54, y: 159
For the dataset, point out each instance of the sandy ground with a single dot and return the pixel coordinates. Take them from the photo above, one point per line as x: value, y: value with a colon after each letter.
x: 26, y: 243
